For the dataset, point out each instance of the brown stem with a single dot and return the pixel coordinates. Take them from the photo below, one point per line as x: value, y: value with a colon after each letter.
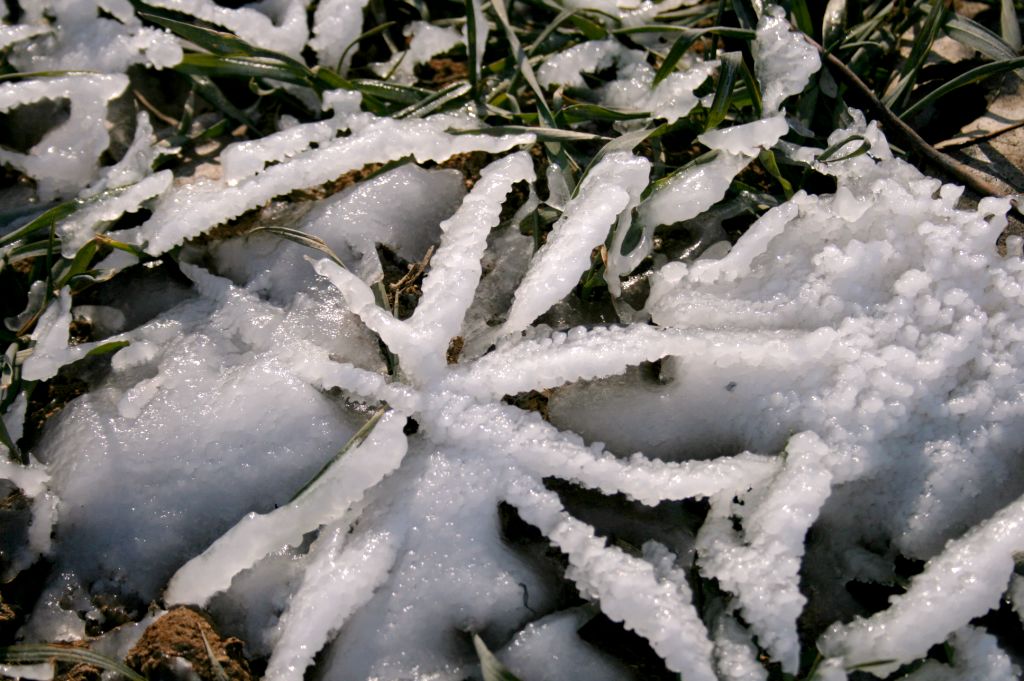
x: 950, y: 166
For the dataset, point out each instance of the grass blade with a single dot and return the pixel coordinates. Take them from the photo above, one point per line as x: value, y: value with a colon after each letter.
x: 577, y: 113
x: 473, y: 17
x: 1009, y: 26
x: 45, y: 652
x: 490, y: 666
x: 44, y: 220
x: 923, y: 39
x: 829, y: 155
x: 523, y: 62
x: 435, y: 101
x: 977, y: 37
x: 303, y: 239
x: 544, y: 134
x: 357, y: 439
x: 973, y: 76
x: 731, y: 62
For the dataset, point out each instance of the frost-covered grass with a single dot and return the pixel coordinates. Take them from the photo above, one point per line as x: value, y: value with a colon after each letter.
x: 599, y: 335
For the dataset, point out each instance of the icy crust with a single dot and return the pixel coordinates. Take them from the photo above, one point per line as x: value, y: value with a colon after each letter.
x: 633, y: 88
x: 336, y: 25
x: 190, y: 210
x: 963, y: 582
x: 442, y: 567
x: 604, y: 197
x: 66, y: 158
x: 783, y: 61
x: 278, y: 25
x: 81, y: 37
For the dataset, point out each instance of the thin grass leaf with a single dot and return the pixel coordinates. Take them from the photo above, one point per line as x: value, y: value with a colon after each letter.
x: 727, y: 73
x: 44, y: 220
x: 577, y: 113
x: 591, y: 30
x: 977, y: 37
x: 828, y: 156
x: 753, y: 88
x: 380, y: 28
x: 218, y: 668
x: 19, y: 252
x: 39, y: 653
x: 46, y: 74
x: 1009, y: 25
x: 357, y: 439
x: 543, y: 134
x: 303, y: 239
x: 107, y: 348
x: 746, y: 13
x: 78, y: 265
x: 833, y: 23
x: 222, y: 42
x: 472, y: 48
x: 976, y: 74
x: 679, y: 48
x: 924, y: 37
x: 767, y: 159
x: 660, y: 183
x: 490, y: 666
x: 869, y: 665
x: 391, y: 92
x: 206, y: 89
x: 523, y: 62
x: 436, y: 101
x: 222, y: 66
x: 802, y: 16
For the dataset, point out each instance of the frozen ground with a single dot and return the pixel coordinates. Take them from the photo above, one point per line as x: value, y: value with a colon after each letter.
x: 832, y: 396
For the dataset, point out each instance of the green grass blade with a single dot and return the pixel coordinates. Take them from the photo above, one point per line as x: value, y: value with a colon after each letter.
x: 473, y: 15
x: 107, y: 348
x: 977, y: 37
x: 924, y: 38
x: 391, y: 92
x: 218, y: 669
x: 44, y: 652
x: 678, y: 49
x: 976, y: 74
x: 221, y: 66
x: 436, y: 101
x: 542, y: 133
x: 490, y: 666
x: 731, y: 63
x: 802, y: 16
x: 577, y: 113
x: 357, y: 439
x: 767, y: 159
x: 303, y: 239
x: 1009, y: 25
x: 829, y: 155
x: 44, y: 220
x: 745, y: 12
x: 380, y: 28
x: 753, y: 88
x: 591, y: 30
x: 523, y: 62
x: 209, y: 91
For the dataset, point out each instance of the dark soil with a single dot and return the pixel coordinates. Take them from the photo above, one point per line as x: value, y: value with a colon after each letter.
x: 180, y: 634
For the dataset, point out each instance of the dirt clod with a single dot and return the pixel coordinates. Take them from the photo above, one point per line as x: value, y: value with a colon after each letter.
x: 179, y: 634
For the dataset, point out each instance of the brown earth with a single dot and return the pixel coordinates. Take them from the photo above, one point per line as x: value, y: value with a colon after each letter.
x: 180, y: 634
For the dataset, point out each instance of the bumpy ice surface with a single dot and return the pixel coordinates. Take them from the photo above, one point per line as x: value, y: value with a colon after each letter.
x: 849, y: 369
